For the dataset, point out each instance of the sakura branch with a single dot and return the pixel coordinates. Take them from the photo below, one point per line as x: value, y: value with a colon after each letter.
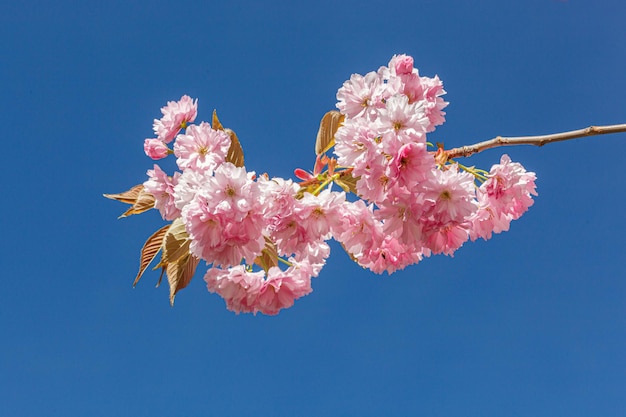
x: 264, y: 238
x: 465, y: 151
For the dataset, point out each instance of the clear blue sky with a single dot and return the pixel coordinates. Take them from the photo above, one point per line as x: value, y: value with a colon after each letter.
x: 531, y: 323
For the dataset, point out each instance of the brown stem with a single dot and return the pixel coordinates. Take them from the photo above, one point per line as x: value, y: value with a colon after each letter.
x: 465, y: 151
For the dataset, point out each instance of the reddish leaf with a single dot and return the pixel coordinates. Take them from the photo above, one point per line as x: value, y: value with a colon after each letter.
x: 139, y: 199
x: 179, y: 275
x: 235, y: 152
x: 150, y: 250
x: 268, y: 257
x: 215, y: 123
x: 175, y: 243
x: 128, y: 197
x: 326, y: 133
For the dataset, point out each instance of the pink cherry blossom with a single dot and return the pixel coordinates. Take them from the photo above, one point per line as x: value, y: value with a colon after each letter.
x: 389, y: 255
x: 237, y: 286
x: 225, y: 219
x: 356, y: 143
x: 401, y: 214
x: 360, y: 95
x: 486, y: 220
x: 432, y: 91
x: 249, y: 292
x: 402, y: 64
x: 451, y: 194
x: 400, y: 123
x: 188, y: 185
x: 509, y: 187
x: 282, y: 288
x: 155, y: 148
x: 359, y: 230
x: 505, y: 196
x: 411, y: 164
x: 445, y: 238
x: 201, y: 148
x: 162, y: 188
x: 176, y: 116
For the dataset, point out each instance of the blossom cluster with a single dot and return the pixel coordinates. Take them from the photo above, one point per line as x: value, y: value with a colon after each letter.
x: 411, y: 202
x: 418, y: 205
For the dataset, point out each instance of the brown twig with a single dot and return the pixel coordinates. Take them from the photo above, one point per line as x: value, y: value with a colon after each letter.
x: 465, y: 151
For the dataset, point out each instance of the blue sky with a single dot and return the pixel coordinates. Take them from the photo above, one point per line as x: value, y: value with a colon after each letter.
x: 531, y: 323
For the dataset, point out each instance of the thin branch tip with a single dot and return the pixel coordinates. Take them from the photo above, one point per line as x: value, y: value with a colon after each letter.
x: 465, y: 151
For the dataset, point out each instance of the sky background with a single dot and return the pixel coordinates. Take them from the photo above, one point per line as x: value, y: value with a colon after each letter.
x: 531, y: 323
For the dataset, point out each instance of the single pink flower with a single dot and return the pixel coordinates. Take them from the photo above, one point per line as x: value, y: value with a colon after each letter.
x: 451, y: 194
x: 486, y: 220
x: 509, y: 188
x: 161, y: 186
x: 445, y: 238
x: 360, y: 95
x: 239, y: 287
x: 176, y: 116
x: 400, y: 123
x: 201, y: 148
x: 411, y: 164
x: 155, y: 148
x: 403, y: 64
x: 282, y: 288
x: 390, y: 255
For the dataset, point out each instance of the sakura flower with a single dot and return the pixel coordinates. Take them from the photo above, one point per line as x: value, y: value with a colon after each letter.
x: 278, y: 197
x: 401, y: 64
x: 359, y: 230
x: 161, y: 187
x: 451, y: 194
x: 155, y: 148
x: 400, y: 123
x: 176, y: 116
x: 302, y: 229
x: 432, y: 90
x: 360, y: 95
x: 282, y: 288
x: 505, y: 196
x: 411, y: 164
x: 510, y: 187
x: 224, y: 219
x: 188, y: 185
x: 356, y: 143
x: 445, y: 238
x: 237, y: 286
x: 248, y: 292
x: 389, y: 255
x: 486, y: 220
x: 201, y: 148
x: 318, y: 214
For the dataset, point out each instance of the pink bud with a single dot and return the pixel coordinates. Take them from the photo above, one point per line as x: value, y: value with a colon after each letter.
x: 404, y: 64
x: 155, y: 148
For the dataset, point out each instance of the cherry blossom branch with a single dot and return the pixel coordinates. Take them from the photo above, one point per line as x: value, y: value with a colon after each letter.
x: 465, y: 151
